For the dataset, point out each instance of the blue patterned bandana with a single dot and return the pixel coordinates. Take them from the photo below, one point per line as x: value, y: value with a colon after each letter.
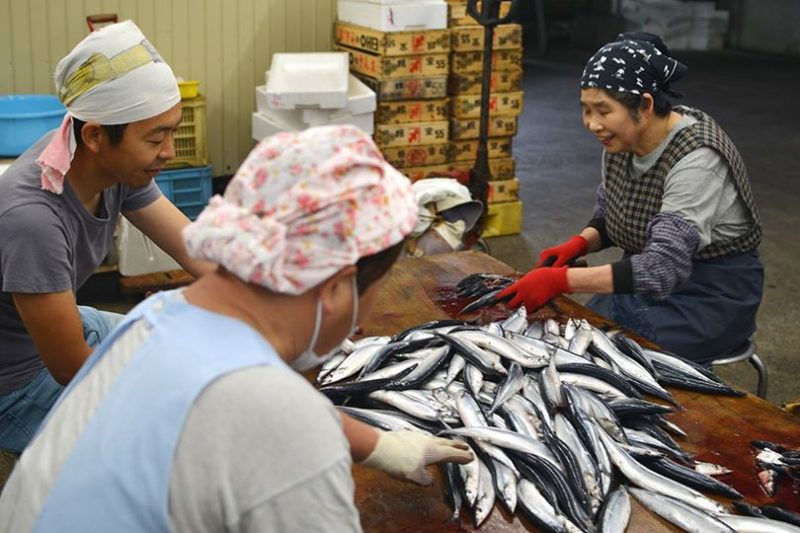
x: 636, y: 63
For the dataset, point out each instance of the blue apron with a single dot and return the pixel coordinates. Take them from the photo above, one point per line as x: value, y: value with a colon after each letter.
x: 708, y: 317
x: 117, y: 476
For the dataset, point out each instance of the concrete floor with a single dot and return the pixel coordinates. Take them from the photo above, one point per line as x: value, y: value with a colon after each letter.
x: 753, y: 97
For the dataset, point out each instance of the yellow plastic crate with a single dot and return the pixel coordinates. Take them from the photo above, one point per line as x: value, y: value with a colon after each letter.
x: 502, y: 219
x: 191, y: 137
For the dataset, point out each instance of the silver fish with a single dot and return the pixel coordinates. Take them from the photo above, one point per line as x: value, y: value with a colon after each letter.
x: 456, y: 366
x: 509, y: 440
x: 646, y: 478
x: 755, y: 524
x: 494, y: 344
x: 570, y: 328
x: 533, y: 503
x: 518, y: 322
x: 510, y: 386
x: 506, y: 485
x: 391, y: 370
x: 589, y: 470
x: 383, y: 420
x: 680, y: 513
x: 535, y: 330
x: 408, y: 405
x: 470, y: 475
x: 474, y: 378
x: 486, y: 495
x: 354, y: 362
x: 330, y: 365
x: 580, y: 341
x: 550, y: 385
x: 616, y: 513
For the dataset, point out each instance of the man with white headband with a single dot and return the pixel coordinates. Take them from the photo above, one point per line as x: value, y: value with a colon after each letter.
x: 59, y: 205
x: 306, y: 230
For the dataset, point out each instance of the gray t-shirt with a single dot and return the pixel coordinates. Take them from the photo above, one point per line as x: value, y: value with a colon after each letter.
x: 262, y: 451
x: 48, y: 243
x: 699, y: 189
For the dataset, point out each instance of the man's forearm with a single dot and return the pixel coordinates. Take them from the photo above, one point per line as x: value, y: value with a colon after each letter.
x: 362, y: 438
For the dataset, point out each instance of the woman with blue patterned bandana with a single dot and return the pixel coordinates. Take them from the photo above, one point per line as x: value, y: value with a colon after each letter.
x: 676, y: 197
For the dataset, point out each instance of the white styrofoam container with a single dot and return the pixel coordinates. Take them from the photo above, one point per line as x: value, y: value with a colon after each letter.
x: 276, y: 121
x: 272, y: 121
x: 365, y: 121
x: 405, y: 16
x: 138, y: 254
x: 360, y: 100
x: 360, y: 112
x: 316, y: 79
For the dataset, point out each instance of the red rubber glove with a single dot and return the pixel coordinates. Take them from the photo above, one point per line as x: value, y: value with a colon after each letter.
x: 537, y: 287
x: 564, y: 252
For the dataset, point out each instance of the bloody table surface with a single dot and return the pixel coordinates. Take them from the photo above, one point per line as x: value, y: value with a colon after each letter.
x: 719, y: 428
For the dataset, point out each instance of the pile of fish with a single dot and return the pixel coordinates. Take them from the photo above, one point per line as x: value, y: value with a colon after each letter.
x: 554, y: 413
x: 775, y: 461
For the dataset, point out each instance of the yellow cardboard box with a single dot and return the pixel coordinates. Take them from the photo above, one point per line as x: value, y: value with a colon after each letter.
x: 395, y: 43
x: 407, y: 88
x: 411, y: 134
x: 412, y: 111
x: 469, y: 128
x: 467, y: 38
x: 410, y: 156
x: 472, y: 62
x: 394, y: 67
x: 501, y: 82
x: 501, y: 169
x: 502, y: 219
x: 503, y: 191
x: 458, y: 16
x: 469, y: 105
x: 499, y: 147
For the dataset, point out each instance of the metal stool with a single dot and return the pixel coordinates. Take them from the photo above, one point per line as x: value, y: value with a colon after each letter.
x: 748, y: 352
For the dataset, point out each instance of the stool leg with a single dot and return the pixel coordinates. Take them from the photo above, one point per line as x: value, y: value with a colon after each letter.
x: 762, y: 375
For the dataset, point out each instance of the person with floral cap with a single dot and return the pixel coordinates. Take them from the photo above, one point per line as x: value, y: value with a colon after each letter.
x: 59, y: 206
x: 192, y: 414
x: 676, y: 197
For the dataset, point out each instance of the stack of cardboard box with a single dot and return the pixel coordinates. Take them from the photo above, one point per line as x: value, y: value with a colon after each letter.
x: 407, y: 69
x: 505, y: 107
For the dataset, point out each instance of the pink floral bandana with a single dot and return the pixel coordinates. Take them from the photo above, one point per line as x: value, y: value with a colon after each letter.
x: 302, y: 207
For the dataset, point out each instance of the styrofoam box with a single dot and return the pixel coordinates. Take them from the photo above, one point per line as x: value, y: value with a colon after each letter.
x: 429, y: 15
x: 308, y: 80
x: 138, y: 254
x: 272, y: 121
x: 360, y: 99
x: 265, y: 124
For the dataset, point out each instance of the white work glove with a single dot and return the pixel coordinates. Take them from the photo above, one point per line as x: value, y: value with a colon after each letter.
x: 405, y: 454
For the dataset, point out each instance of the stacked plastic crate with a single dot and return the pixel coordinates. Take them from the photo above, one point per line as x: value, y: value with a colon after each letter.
x: 504, y: 215
x: 188, y: 186
x: 408, y: 70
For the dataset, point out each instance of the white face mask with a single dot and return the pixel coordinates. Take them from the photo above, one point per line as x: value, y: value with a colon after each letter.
x: 309, y: 359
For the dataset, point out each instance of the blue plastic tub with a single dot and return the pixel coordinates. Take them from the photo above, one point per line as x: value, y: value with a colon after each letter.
x: 26, y: 117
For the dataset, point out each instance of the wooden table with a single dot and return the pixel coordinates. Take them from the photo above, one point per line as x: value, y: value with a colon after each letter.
x: 720, y: 428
